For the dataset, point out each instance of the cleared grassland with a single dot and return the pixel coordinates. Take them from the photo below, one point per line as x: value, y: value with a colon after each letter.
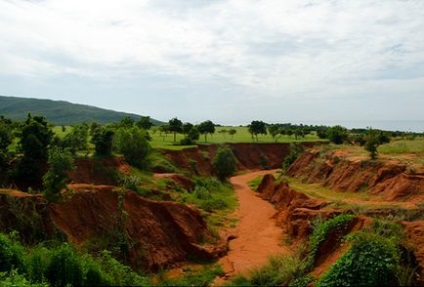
x: 242, y: 135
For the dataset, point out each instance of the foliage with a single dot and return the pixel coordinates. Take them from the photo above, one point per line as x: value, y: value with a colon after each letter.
x: 60, y: 162
x: 373, y: 140
x: 254, y: 183
x: 257, y: 127
x: 145, y: 123
x: 14, y: 279
x: 224, y: 163
x: 191, y: 136
x: 337, y: 134
x: 6, y: 138
x: 35, y: 138
x: 103, y: 141
x: 11, y: 254
x: 295, y: 151
x: 323, y: 229
x: 205, y: 128
x: 372, y: 260
x: 193, y: 277
x: 281, y: 270
x: 133, y: 144
x: 175, y: 126
x: 77, y: 139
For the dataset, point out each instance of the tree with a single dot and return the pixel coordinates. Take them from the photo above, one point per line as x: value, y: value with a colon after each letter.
x: 373, y: 139
x: 232, y: 132
x: 337, y: 134
x: 133, y: 144
x: 205, y: 128
x: 6, y: 138
x: 224, y: 163
x: 187, y: 127
x: 145, y: 123
x: 257, y: 127
x: 126, y: 122
x: 275, y: 131
x: 77, y: 139
x: 60, y: 162
x: 175, y: 126
x: 35, y: 138
x: 102, y: 140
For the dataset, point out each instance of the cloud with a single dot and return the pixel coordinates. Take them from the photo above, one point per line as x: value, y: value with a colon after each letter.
x: 265, y: 50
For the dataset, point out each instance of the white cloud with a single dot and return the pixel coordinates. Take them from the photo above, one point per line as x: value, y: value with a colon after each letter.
x: 268, y: 49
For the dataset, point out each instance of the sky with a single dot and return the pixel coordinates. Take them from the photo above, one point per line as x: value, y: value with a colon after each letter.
x: 229, y: 61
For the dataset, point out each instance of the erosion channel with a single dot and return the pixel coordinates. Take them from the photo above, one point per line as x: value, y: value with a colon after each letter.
x: 256, y: 236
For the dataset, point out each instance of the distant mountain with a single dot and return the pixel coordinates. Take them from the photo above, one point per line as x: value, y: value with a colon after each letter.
x: 60, y: 112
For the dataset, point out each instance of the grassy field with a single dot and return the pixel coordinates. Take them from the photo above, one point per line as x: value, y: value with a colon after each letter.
x: 242, y: 136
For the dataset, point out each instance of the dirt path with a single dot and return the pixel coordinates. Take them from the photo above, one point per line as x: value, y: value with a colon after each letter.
x: 258, y: 237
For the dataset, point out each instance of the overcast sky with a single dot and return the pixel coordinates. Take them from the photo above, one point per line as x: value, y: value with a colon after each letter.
x: 230, y: 61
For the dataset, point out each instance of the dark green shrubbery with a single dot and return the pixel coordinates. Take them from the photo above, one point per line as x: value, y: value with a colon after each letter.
x: 61, y: 265
x: 372, y: 260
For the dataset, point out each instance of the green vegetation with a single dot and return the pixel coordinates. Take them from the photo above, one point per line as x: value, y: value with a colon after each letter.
x: 295, y: 152
x: 217, y: 199
x: 281, y: 270
x: 257, y: 127
x: 58, y: 264
x: 60, y: 112
x: 194, y: 277
x: 254, y: 183
x: 224, y: 163
x: 133, y: 144
x: 60, y: 163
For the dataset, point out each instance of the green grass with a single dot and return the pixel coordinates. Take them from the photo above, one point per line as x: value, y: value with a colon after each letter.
x: 254, y: 183
x: 242, y: 136
x: 194, y: 276
x: 398, y: 147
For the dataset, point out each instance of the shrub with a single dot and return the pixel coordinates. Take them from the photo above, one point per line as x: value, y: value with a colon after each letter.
x: 224, y: 163
x: 372, y: 260
x: 54, y: 180
x: 322, y: 230
x: 295, y: 150
x: 11, y: 254
x: 133, y: 143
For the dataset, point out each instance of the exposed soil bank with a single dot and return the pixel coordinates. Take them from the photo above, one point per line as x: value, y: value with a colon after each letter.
x: 148, y: 234
x: 392, y: 180
x: 250, y: 156
x: 256, y: 236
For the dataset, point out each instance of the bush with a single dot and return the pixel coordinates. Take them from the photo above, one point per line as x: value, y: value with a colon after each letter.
x: 11, y: 254
x: 371, y: 261
x: 295, y: 151
x: 322, y: 230
x: 133, y: 144
x: 64, y: 268
x: 224, y: 163
x: 60, y: 162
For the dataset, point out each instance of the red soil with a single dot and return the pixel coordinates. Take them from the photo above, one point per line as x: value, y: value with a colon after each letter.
x: 256, y: 236
x: 250, y: 156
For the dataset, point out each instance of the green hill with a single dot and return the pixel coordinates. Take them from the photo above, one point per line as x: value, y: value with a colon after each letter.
x: 60, y: 112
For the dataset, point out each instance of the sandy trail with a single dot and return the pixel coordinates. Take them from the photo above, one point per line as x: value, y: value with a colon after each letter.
x: 258, y: 236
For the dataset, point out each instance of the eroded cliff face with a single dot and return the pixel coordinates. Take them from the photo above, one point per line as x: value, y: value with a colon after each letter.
x: 392, y: 180
x: 147, y: 234
x: 249, y: 156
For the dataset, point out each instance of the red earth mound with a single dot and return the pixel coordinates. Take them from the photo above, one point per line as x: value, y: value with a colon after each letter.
x: 391, y: 181
x: 150, y: 234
